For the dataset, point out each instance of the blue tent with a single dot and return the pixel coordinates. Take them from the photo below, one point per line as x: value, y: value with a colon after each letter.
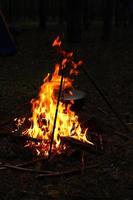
x: 7, y: 44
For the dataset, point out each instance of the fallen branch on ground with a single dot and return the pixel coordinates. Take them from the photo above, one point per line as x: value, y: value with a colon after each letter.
x: 26, y: 169
x: 67, y: 172
x: 46, y: 173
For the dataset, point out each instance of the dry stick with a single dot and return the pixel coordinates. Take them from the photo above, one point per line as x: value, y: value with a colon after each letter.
x: 68, y: 172
x: 56, y: 112
x: 44, y: 173
x: 107, y: 102
x: 27, y: 169
x: 22, y: 164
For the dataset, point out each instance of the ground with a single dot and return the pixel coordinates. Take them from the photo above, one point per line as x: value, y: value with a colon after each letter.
x: 110, y: 175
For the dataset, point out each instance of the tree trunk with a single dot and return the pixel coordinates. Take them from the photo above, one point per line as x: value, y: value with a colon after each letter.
x: 73, y: 21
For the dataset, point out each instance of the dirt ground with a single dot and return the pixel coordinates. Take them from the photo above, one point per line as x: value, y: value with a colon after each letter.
x: 110, y: 64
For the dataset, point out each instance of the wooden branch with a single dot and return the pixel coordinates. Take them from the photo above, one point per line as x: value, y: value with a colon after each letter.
x: 81, y: 145
x: 26, y: 169
x: 46, y: 173
x: 67, y: 172
x: 68, y: 140
x: 21, y: 165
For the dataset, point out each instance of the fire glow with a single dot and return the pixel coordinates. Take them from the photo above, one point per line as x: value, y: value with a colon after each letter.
x: 44, y: 108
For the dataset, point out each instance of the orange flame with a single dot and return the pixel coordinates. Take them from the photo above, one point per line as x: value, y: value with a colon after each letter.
x: 57, y: 42
x: 44, y: 107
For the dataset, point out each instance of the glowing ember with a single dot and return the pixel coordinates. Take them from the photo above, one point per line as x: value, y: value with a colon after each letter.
x: 44, y: 107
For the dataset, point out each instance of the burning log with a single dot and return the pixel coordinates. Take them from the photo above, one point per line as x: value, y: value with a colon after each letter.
x: 51, y: 116
x: 84, y: 146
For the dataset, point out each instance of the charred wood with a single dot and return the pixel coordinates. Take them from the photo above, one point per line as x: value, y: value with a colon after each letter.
x: 81, y: 145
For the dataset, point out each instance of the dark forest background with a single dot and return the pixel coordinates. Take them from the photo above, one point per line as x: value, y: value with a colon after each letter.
x: 77, y: 15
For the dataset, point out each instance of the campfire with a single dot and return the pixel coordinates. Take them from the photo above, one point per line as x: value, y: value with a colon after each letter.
x: 52, y: 118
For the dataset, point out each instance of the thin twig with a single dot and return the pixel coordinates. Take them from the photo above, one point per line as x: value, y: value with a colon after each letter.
x: 65, y: 173
x: 22, y: 164
x: 27, y: 169
x: 46, y: 173
x: 102, y: 111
